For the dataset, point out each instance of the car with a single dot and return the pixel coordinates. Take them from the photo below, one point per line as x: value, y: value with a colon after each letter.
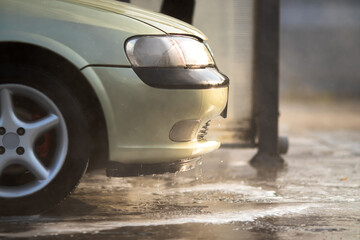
x: 88, y: 84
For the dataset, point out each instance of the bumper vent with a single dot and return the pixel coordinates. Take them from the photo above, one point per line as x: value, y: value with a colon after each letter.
x: 203, y: 131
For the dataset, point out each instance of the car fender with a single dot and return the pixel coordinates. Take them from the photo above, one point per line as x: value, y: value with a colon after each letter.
x: 45, y: 42
x: 72, y: 57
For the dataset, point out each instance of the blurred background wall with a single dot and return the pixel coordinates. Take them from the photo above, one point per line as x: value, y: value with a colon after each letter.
x: 320, y: 48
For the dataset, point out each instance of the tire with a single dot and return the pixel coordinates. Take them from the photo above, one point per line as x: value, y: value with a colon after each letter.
x: 43, y: 140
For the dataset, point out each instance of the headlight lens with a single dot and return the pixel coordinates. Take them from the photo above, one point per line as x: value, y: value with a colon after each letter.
x: 165, y: 51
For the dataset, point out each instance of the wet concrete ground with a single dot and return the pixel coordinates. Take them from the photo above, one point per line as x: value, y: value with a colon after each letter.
x: 317, y: 196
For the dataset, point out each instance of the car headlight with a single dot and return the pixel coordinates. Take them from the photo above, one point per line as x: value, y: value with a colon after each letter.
x: 168, y: 51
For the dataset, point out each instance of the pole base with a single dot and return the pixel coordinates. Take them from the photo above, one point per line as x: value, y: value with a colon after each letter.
x: 267, y: 166
x: 267, y: 162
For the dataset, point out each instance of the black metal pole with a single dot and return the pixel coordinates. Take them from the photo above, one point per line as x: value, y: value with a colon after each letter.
x: 180, y: 9
x: 266, y: 83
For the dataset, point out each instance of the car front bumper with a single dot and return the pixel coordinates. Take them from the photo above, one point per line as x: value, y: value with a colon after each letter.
x: 140, y: 118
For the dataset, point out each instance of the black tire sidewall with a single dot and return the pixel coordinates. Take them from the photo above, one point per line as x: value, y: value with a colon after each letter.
x: 77, y: 156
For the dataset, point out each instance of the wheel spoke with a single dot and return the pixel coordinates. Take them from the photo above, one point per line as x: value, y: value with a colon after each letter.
x: 7, y: 109
x: 43, y: 124
x: 20, y: 138
x: 36, y: 167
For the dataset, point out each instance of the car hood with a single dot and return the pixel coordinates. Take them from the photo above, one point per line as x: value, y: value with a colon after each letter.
x: 162, y: 22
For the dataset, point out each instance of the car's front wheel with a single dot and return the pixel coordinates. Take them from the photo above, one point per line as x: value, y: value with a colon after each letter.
x: 43, y: 140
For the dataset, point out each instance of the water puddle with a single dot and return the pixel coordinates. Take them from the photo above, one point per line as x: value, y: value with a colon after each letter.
x: 67, y: 228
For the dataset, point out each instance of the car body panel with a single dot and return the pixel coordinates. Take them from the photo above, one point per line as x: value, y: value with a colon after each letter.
x: 142, y: 116
x: 91, y: 36
x: 162, y: 22
x: 81, y: 34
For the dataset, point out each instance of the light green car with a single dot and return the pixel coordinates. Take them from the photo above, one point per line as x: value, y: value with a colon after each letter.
x: 98, y: 83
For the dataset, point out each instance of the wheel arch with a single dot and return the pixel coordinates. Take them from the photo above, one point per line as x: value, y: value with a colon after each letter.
x: 59, y: 65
